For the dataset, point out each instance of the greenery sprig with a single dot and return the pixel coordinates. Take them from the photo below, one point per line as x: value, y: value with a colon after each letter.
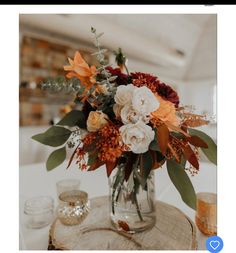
x: 62, y: 85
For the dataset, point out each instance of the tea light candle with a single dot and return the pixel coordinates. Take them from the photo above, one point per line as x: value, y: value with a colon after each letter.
x: 39, y: 211
x: 206, y: 214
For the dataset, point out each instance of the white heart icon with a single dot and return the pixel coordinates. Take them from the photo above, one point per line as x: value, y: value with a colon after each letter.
x: 214, y: 244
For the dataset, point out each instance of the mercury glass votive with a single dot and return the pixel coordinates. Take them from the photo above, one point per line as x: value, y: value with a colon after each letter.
x: 206, y: 214
x: 73, y: 207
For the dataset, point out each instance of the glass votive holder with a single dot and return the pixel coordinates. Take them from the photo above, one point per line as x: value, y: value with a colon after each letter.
x: 206, y: 214
x: 73, y: 207
x: 39, y: 211
x: 66, y: 185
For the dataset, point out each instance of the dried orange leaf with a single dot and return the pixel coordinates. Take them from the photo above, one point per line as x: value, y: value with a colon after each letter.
x: 123, y: 225
x: 176, y: 156
x: 198, y: 142
x: 196, y: 122
x: 190, y: 156
x: 155, y: 163
x: 163, y: 135
x: 110, y: 166
x: 177, y: 129
x: 71, y: 158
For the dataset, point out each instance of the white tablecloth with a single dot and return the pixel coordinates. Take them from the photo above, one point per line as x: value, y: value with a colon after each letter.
x: 36, y: 181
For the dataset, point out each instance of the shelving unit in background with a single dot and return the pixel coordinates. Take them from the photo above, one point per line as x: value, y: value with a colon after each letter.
x: 41, y: 59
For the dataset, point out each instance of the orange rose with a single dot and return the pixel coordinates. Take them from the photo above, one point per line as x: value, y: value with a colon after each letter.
x: 166, y: 111
x: 96, y: 120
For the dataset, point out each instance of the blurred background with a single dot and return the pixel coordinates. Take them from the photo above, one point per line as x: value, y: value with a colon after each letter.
x: 178, y: 48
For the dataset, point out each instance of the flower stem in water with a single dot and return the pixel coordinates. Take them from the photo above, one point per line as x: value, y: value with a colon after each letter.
x: 137, y: 206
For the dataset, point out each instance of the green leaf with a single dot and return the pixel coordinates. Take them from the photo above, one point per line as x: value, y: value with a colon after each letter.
x: 145, y: 168
x: 73, y: 118
x: 55, y: 136
x: 56, y: 158
x: 130, y: 164
x: 92, y: 158
x: 183, y: 162
x: 159, y: 156
x: 147, y: 163
x: 154, y: 144
x: 119, y: 178
x: 177, y: 135
x: 211, y: 151
x: 182, y: 183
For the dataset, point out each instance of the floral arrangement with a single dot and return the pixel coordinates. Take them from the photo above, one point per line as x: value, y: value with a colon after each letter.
x: 129, y: 118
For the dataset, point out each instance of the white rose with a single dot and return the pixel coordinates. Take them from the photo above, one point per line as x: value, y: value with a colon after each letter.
x: 124, y: 94
x: 117, y: 109
x: 144, y: 101
x: 137, y: 136
x: 129, y: 115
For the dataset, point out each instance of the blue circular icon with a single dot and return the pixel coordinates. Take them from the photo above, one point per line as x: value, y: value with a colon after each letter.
x: 214, y: 244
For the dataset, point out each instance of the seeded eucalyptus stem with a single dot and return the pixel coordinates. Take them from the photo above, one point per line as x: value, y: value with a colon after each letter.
x: 100, y: 55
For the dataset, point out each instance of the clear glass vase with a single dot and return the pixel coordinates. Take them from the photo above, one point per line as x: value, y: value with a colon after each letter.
x: 132, y: 202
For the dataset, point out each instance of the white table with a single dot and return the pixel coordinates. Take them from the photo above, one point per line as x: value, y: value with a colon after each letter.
x: 36, y: 181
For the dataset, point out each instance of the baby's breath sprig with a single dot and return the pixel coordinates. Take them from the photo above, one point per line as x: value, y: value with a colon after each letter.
x: 75, y: 138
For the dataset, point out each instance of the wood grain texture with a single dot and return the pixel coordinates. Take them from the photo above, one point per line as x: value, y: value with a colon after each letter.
x: 173, y: 231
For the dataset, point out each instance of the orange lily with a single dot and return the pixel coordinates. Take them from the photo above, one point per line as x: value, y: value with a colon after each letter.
x: 80, y: 69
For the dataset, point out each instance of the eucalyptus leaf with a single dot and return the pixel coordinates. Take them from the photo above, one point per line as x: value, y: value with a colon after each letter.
x: 55, y: 136
x: 182, y: 183
x: 99, y: 35
x: 113, y: 78
x: 73, y: 118
x: 56, y: 158
x: 211, y: 151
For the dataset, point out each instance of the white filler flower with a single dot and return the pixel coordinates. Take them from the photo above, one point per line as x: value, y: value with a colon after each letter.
x: 137, y: 136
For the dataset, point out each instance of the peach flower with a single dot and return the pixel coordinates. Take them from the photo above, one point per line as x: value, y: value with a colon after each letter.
x: 166, y: 111
x: 80, y: 69
x: 96, y: 120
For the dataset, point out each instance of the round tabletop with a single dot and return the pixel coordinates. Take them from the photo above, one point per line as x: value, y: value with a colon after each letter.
x: 173, y: 231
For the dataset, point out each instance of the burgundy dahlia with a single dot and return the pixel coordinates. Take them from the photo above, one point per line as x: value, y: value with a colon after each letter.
x: 140, y: 79
x: 122, y: 79
x: 166, y: 92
